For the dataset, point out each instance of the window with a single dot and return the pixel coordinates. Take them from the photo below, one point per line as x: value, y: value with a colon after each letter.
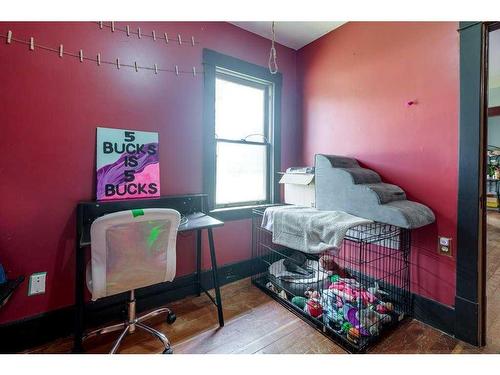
x: 241, y: 136
x: 241, y: 132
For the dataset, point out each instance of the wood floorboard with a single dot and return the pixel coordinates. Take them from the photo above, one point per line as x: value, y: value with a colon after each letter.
x: 255, y: 323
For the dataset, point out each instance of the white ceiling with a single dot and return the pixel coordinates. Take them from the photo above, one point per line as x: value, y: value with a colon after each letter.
x: 298, y: 34
x: 494, y: 59
x: 291, y: 34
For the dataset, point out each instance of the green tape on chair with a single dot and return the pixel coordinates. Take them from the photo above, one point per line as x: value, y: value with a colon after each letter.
x: 138, y: 212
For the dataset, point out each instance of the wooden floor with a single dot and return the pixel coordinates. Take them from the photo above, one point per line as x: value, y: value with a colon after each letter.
x: 255, y: 323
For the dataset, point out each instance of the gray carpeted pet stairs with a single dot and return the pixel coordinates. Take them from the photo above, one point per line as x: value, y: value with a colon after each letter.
x: 341, y: 184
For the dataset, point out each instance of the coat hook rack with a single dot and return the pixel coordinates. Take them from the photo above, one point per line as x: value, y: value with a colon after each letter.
x: 153, y: 35
x: 60, y: 50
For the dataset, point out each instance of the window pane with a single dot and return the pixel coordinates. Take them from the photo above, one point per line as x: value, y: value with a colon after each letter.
x: 239, y: 110
x: 241, y: 173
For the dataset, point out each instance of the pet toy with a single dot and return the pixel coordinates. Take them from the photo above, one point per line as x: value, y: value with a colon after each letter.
x: 313, y: 306
x: 299, y: 301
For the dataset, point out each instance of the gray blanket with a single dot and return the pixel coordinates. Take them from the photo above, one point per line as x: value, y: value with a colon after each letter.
x: 310, y: 230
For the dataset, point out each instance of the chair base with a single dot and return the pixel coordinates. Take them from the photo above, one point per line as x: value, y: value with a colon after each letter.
x: 129, y: 327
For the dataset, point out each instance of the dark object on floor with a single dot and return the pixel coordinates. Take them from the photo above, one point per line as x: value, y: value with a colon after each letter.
x: 7, y: 288
x: 296, y: 263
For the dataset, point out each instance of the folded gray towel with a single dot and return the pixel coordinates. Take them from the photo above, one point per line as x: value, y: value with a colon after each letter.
x: 310, y: 230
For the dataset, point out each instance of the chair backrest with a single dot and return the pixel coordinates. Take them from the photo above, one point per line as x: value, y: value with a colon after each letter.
x: 133, y: 249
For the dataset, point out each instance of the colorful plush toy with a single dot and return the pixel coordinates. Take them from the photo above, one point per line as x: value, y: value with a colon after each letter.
x: 350, y: 291
x: 372, y: 320
x: 384, y: 307
x: 299, y: 301
x: 334, y: 278
x: 346, y: 327
x: 353, y: 335
x: 351, y: 315
x: 313, y: 306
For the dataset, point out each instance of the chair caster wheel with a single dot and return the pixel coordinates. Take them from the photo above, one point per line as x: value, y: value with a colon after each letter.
x: 168, y: 351
x: 171, y: 318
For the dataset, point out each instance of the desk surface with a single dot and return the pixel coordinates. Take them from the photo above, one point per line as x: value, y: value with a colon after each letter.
x: 196, y: 221
x: 199, y: 220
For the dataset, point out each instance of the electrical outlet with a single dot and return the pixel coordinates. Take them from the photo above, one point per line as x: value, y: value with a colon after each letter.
x: 37, y: 283
x: 444, y: 246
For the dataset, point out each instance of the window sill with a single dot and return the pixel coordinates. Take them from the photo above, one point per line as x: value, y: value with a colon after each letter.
x: 238, y: 213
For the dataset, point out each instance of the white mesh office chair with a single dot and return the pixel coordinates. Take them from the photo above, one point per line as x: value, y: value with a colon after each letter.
x: 131, y: 250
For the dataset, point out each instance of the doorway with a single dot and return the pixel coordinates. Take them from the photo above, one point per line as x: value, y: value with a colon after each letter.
x: 492, y: 271
x: 474, y: 316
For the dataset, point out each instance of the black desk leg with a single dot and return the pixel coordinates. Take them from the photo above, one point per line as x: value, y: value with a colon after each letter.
x: 215, y: 277
x: 79, y: 300
x: 198, y: 262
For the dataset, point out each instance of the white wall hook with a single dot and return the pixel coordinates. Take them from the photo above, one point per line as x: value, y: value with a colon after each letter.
x: 139, y: 35
x: 192, y: 41
x: 100, y: 24
x: 166, y: 38
x: 98, y: 59
x: 154, y: 35
x: 177, y: 70
x: 179, y: 39
x: 194, y: 71
x: 32, y: 44
x: 156, y: 69
x: 118, y: 63
x: 80, y: 55
x: 112, y: 26
x: 136, y: 67
x: 128, y: 30
x: 61, y: 50
x: 9, y: 37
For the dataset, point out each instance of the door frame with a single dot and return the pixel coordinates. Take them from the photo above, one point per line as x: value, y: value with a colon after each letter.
x: 470, y: 296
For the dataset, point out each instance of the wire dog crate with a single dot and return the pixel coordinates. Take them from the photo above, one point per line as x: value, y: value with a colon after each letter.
x: 352, y: 296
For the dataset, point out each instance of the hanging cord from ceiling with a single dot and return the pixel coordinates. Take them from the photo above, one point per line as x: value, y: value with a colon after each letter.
x: 273, y: 65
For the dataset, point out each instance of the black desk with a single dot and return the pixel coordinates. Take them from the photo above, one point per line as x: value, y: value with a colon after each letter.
x: 192, y: 207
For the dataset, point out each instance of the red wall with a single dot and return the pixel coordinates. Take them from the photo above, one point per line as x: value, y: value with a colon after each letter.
x: 353, y: 88
x: 354, y: 85
x: 50, y: 108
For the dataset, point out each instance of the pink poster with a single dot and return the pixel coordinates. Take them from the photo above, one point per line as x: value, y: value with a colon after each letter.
x: 128, y: 165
